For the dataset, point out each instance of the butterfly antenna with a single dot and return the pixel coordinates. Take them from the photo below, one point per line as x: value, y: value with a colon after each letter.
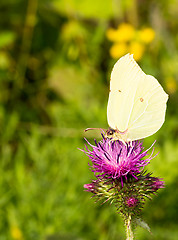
x: 101, y: 130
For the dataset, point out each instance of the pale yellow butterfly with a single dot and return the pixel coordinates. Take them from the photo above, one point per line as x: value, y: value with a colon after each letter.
x: 137, y: 102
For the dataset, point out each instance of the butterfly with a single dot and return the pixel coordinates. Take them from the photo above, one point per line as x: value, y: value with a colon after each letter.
x: 137, y: 102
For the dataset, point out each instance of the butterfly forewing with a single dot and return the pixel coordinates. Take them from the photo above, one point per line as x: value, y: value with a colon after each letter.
x: 137, y: 102
x: 125, y: 74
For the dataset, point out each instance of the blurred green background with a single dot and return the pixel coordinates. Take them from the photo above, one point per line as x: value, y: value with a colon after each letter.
x: 55, y: 62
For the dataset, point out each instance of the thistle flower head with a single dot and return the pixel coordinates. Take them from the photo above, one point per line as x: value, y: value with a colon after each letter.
x: 120, y: 175
x: 117, y: 160
x: 131, y: 202
x: 91, y: 187
x: 157, y: 184
x: 153, y: 183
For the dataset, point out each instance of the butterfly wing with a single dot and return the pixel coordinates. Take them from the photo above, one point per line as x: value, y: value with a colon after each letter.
x: 137, y: 102
x: 125, y: 77
x: 148, y: 112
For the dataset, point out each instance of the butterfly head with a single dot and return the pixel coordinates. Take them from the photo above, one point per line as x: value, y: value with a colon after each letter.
x: 110, y: 133
x: 115, y: 134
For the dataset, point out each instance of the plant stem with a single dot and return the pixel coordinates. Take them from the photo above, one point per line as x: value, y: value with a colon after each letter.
x: 129, y: 232
x: 29, y: 25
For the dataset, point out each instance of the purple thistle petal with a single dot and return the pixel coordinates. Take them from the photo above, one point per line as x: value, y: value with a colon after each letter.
x: 155, y: 183
x: 117, y: 160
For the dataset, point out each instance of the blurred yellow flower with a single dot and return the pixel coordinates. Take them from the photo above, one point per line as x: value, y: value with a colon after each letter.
x: 112, y: 34
x: 171, y: 85
x: 118, y: 50
x: 137, y: 49
x: 146, y: 35
x: 124, y: 33
x: 16, y: 233
x: 127, y: 39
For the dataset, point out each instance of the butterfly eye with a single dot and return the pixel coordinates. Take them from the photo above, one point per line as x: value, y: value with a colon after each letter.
x: 110, y: 132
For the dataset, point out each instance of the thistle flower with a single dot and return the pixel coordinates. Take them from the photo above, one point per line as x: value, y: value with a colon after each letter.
x: 131, y: 202
x: 121, y: 178
x: 91, y: 187
x: 117, y: 160
x: 154, y: 183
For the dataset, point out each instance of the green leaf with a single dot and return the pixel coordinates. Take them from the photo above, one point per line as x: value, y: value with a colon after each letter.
x: 142, y: 224
x: 98, y: 9
x: 6, y: 38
